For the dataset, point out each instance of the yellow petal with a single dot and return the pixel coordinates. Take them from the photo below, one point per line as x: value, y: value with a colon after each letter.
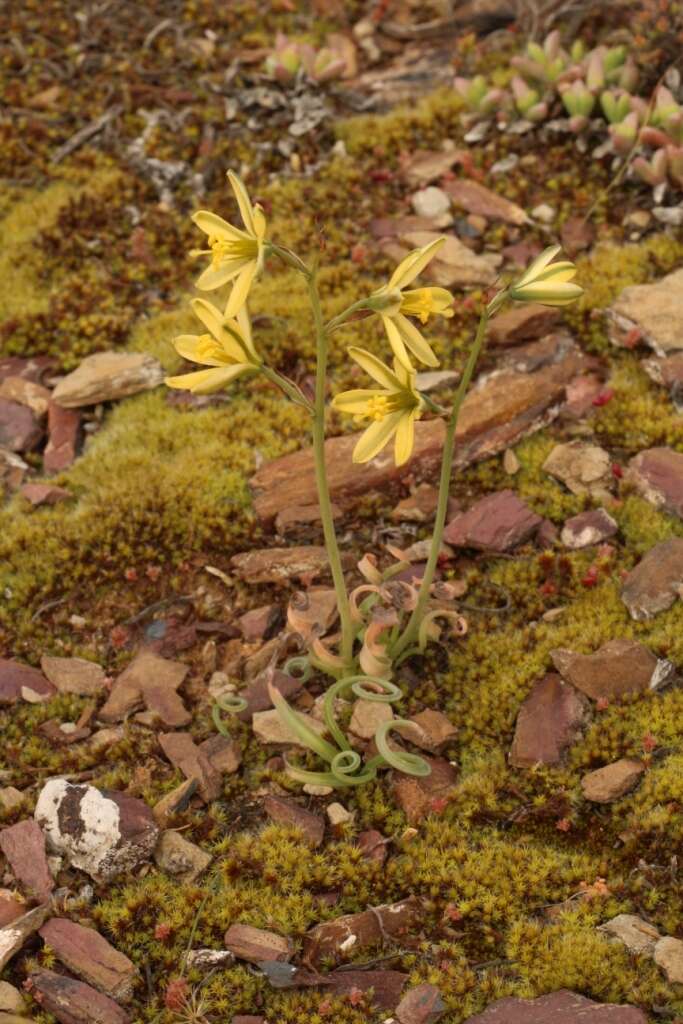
x: 354, y: 402
x: 244, y: 325
x: 259, y: 223
x: 418, y: 345
x: 214, y: 226
x: 396, y: 342
x: 375, y: 437
x: 539, y: 264
x: 405, y: 437
x: 240, y: 289
x: 215, y: 277
x: 243, y: 201
x: 206, y: 382
x: 557, y: 272
x: 414, y: 263
x: 188, y: 346
x: 209, y: 316
x: 375, y: 368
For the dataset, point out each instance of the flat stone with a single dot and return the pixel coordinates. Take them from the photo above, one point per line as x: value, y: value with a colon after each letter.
x: 562, y: 1007
x: 12, y: 471
x: 10, y: 798
x: 344, y: 937
x: 367, y: 716
x: 269, y: 728
x: 74, y: 675
x: 667, y: 371
x: 174, y: 802
x: 548, y: 722
x: 419, y: 797
x: 430, y: 730
x: 20, y: 430
x: 22, y: 682
x: 256, y: 944
x: 301, y: 520
x: 288, y: 812
x: 73, y: 1002
x: 103, y: 739
x: 63, y: 432
x: 455, y: 265
x: 25, y: 392
x: 103, y: 832
x: 260, y: 623
x: 653, y: 311
x: 44, y: 494
x: 279, y: 565
x: 338, y: 815
x: 656, y: 581
x: 613, y: 781
x: 576, y: 234
x: 11, y: 1000
x: 582, y: 468
x: 657, y: 474
x: 419, y: 507
x: 618, y: 668
x: 23, y: 845
x: 149, y: 680
x: 523, y: 323
x: 10, y: 908
x: 386, y: 986
x: 15, y: 933
x: 424, y: 166
x: 224, y: 754
x: 179, y: 857
x: 637, y: 935
x: 668, y: 955
x: 87, y: 954
x: 497, y: 411
x: 498, y: 522
x: 209, y: 959
x: 185, y: 755
x: 587, y: 528
x: 312, y: 612
x: 430, y: 202
x: 421, y: 1005
x: 257, y: 696
x: 106, y: 376
x: 436, y: 380
x: 372, y: 845
x: 475, y: 198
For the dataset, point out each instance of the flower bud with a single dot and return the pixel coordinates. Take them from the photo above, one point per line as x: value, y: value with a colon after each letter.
x: 547, y: 282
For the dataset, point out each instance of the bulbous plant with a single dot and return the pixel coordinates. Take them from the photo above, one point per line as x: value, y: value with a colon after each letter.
x: 290, y: 57
x: 386, y: 619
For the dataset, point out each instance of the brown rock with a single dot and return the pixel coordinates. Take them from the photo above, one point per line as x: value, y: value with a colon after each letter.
x: 548, y: 722
x: 668, y: 955
x: 224, y: 754
x: 667, y: 371
x: 106, y: 376
x: 497, y: 522
x: 418, y: 797
x: 179, y: 857
x: 637, y: 935
x: 523, y: 323
x: 475, y: 198
x: 279, y: 565
x: 421, y: 1005
x: 63, y: 429
x: 497, y: 411
x: 10, y: 908
x: 613, y: 781
x: 10, y: 798
x: 72, y: 1002
x: 151, y: 680
x: 257, y: 696
x: 425, y: 166
x: 367, y: 716
x: 74, y: 675
x: 420, y: 507
x: 20, y: 430
x: 372, y: 845
x: 592, y: 527
x: 562, y: 1007
x: 269, y: 728
x: 248, y: 1018
x: 260, y: 623
x: 255, y: 945
x: 657, y: 474
x: 15, y: 933
x: 582, y: 468
x: 174, y: 802
x: 344, y: 937
x: 87, y: 954
x: 11, y: 1001
x: 12, y: 472
x: 312, y: 612
x: 21, y: 682
x: 44, y: 494
x: 581, y: 394
x: 23, y: 845
x: 25, y: 392
x: 618, y: 668
x: 430, y: 730
x: 185, y: 755
x: 655, y: 583
x: 63, y: 733
x: 302, y: 520
x: 287, y: 812
x: 576, y: 234
x: 654, y: 310
x: 386, y: 986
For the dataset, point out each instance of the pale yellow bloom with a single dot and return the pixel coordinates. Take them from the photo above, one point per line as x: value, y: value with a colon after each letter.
x: 236, y: 255
x: 392, y: 409
x: 399, y: 304
x: 228, y: 349
x: 547, y: 282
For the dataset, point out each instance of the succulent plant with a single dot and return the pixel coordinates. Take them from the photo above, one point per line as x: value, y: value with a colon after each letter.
x: 616, y: 104
x: 528, y: 101
x: 285, y: 60
x: 578, y: 101
x: 289, y: 57
x: 652, y: 171
x: 624, y: 133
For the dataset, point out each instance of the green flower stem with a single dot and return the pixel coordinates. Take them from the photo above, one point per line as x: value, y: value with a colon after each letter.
x: 340, y: 320
x: 321, y: 474
x: 288, y: 386
x: 411, y: 631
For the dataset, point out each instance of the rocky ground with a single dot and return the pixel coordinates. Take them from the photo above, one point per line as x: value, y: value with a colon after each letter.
x: 154, y: 546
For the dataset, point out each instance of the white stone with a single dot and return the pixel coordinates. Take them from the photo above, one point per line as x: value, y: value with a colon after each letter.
x: 431, y: 202
x: 637, y: 935
x: 337, y: 814
x: 669, y: 956
x: 545, y: 213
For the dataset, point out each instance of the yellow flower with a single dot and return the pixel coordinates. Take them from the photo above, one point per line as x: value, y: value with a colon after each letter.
x: 547, y: 282
x: 399, y: 304
x: 236, y: 255
x: 392, y: 409
x: 228, y: 349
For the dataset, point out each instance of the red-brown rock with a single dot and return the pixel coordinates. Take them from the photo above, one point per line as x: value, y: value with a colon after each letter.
x: 576, y: 234
x: 591, y: 527
x: 256, y: 693
x: 20, y: 430
x: 667, y: 371
x: 497, y: 522
x: 613, y: 781
x: 656, y: 582
x: 185, y: 755
x: 430, y: 730
x: 260, y: 623
x: 21, y: 682
x: 15, y: 933
x: 419, y: 797
x: 256, y: 945
x: 88, y: 954
x: 345, y: 936
x: 24, y: 846
x: 421, y: 1005
x: 562, y: 1007
x: 287, y: 812
x: 63, y: 428
x: 74, y: 675
x: 279, y: 565
x: 10, y: 907
x: 73, y: 1002
x: 475, y: 198
x: 618, y: 668
x: 372, y: 845
x: 151, y: 680
x: 44, y: 494
x: 548, y: 722
x: 523, y: 323
x: 657, y: 474
x: 386, y: 986
x: 224, y: 753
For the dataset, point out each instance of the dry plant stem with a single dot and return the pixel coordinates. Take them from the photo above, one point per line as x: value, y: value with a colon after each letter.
x: 409, y: 635
x: 321, y: 474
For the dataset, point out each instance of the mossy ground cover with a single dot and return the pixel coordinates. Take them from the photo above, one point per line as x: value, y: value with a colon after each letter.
x: 93, y: 259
